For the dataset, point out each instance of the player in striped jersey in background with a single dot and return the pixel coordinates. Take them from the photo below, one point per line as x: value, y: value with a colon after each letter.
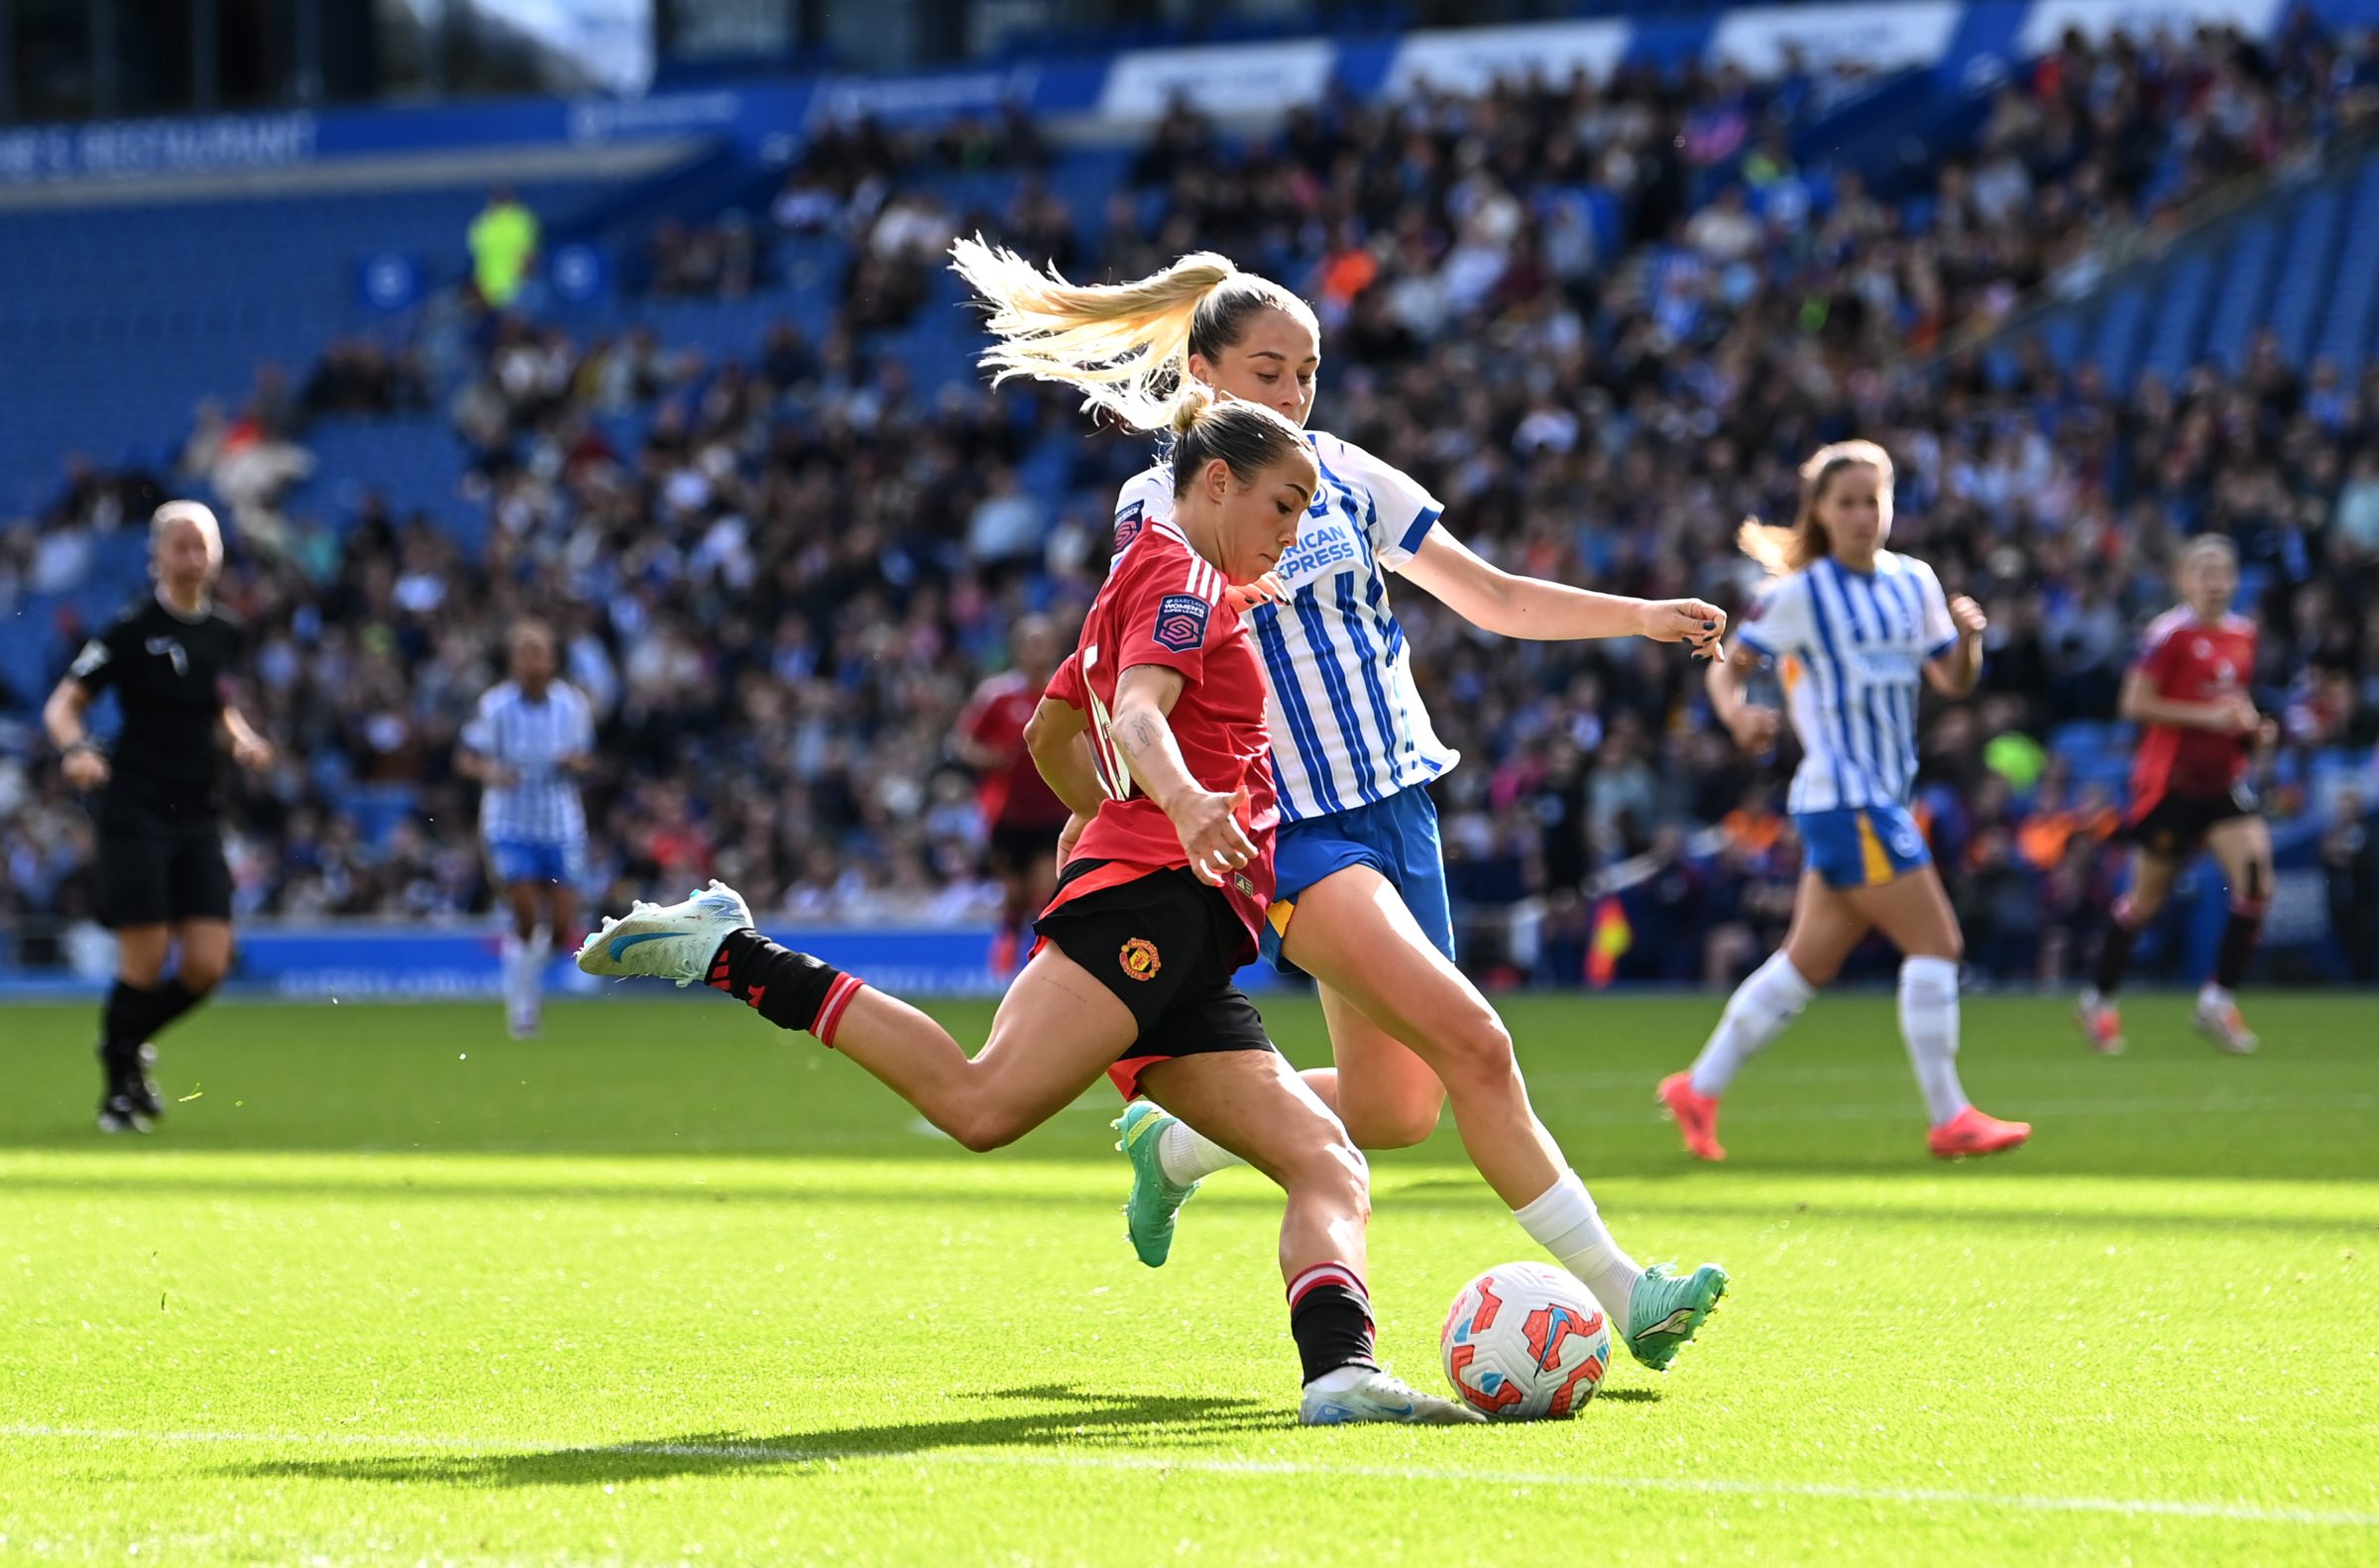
x: 1853, y: 628
x: 1361, y: 903
x: 528, y: 743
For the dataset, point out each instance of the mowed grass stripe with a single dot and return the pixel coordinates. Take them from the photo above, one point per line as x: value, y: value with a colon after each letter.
x: 731, y: 1454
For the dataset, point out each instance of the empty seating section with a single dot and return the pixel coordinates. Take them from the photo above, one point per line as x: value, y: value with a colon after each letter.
x: 117, y: 320
x: 2346, y: 329
x: 2302, y: 261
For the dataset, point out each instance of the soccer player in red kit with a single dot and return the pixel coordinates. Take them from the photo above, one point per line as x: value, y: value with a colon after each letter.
x: 1166, y: 758
x: 2188, y: 693
x: 1022, y: 813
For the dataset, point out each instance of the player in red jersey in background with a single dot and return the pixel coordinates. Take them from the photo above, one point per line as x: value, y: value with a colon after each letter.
x: 1155, y: 914
x: 1020, y: 811
x: 2190, y: 693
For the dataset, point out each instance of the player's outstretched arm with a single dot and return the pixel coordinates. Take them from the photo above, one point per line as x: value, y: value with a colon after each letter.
x: 1209, y: 823
x: 1511, y: 606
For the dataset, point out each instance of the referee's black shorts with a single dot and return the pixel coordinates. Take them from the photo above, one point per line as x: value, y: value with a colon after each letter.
x: 158, y: 871
x: 1167, y: 945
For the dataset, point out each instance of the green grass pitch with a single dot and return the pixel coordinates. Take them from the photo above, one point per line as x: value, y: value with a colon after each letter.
x: 667, y: 1285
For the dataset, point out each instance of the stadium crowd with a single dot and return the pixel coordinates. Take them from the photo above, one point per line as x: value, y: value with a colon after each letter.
x: 1601, y: 320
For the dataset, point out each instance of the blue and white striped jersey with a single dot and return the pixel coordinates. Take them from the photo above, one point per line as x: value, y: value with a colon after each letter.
x: 1851, y: 647
x: 1347, y: 725
x: 530, y: 738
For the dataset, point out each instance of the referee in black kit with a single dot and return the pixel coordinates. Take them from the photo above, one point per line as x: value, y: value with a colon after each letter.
x: 161, y: 874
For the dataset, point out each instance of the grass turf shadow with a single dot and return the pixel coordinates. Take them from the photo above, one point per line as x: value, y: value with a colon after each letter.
x: 1096, y: 1422
x: 1094, y: 1419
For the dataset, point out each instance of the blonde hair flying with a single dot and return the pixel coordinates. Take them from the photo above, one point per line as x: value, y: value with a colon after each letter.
x: 1782, y: 548
x: 1125, y: 347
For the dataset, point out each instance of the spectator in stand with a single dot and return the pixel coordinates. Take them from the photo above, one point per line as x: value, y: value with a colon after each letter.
x: 504, y: 248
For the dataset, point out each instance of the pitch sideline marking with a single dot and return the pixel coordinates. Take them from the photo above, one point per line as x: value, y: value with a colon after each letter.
x: 765, y: 1454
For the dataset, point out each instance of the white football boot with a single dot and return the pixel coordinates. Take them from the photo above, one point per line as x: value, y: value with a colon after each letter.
x: 674, y: 942
x: 2220, y: 1020
x: 1377, y: 1395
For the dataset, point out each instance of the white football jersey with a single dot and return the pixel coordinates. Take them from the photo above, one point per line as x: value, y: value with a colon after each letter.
x: 1851, y: 647
x: 541, y: 804
x: 1348, y: 724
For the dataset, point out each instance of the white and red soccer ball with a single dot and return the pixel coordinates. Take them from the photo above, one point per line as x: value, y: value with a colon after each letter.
x: 1526, y: 1342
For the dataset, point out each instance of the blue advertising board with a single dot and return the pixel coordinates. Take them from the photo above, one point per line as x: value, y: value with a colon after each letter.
x: 383, y: 962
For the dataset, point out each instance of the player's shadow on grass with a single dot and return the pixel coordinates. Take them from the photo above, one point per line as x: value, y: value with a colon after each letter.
x: 1122, y: 1423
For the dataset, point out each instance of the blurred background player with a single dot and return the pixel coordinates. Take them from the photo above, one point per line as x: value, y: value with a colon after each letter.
x: 1854, y: 626
x: 2188, y: 693
x: 161, y: 876
x: 528, y: 743
x: 1155, y: 912
x: 1362, y: 904
x: 1022, y: 814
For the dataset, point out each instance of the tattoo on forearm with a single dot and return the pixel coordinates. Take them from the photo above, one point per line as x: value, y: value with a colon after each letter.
x: 1136, y: 732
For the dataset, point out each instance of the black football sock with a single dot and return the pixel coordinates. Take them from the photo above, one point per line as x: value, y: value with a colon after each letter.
x: 124, y: 1021
x: 2240, y: 933
x: 790, y: 989
x: 1329, y: 1318
x: 169, y: 1000
x: 2114, y: 954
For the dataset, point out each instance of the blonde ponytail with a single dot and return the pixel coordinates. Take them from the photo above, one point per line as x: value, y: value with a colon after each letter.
x: 1780, y: 548
x: 1125, y: 347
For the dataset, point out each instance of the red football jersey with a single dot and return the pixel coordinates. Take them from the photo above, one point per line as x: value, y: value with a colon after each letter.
x: 2189, y: 661
x: 1012, y: 792
x: 1163, y: 605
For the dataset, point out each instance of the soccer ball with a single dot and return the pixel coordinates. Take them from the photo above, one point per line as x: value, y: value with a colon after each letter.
x: 1526, y: 1342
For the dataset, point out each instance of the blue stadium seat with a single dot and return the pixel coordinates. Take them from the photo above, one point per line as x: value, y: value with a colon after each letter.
x: 2346, y: 326
x: 2246, y: 282
x: 2180, y: 311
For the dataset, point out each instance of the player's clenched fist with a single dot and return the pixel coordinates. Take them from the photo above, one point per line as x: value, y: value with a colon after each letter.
x: 1695, y: 623
x: 1212, y: 835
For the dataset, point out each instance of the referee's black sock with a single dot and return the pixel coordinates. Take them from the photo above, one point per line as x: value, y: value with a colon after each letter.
x: 1329, y: 1318
x: 792, y: 990
x: 169, y: 1000
x: 124, y: 1021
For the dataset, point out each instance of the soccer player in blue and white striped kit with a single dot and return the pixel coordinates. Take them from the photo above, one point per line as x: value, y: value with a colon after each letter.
x: 529, y: 742
x: 1855, y: 629
x: 1361, y: 903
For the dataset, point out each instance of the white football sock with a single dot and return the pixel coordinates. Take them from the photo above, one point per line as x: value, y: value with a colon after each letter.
x: 1755, y: 1013
x: 1187, y: 1154
x: 524, y: 971
x: 2214, y: 998
x: 510, y: 947
x: 1564, y: 1223
x: 1929, y: 1023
